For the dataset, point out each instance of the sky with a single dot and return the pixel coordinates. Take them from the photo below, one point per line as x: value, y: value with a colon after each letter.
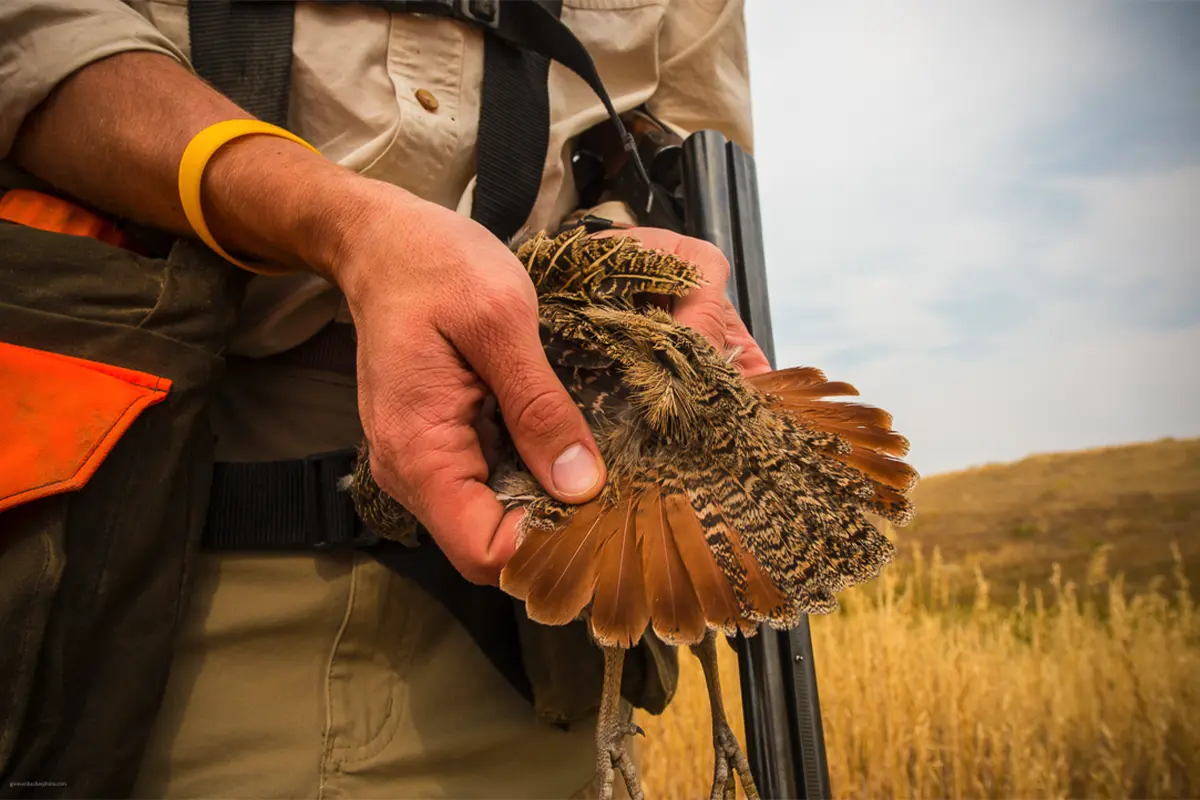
x: 986, y: 215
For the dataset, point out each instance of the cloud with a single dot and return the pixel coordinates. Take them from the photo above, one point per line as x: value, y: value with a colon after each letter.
x: 1134, y: 256
x: 985, y: 216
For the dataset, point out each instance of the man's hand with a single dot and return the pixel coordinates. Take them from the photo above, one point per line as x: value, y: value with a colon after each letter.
x: 706, y: 309
x: 445, y: 315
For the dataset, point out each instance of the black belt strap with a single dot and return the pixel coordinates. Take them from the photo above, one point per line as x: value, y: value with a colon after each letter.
x: 283, y: 505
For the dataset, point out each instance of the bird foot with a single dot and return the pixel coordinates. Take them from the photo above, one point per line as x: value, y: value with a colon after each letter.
x: 611, y: 757
x: 728, y: 753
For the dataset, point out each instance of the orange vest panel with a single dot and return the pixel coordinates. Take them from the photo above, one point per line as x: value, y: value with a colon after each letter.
x: 60, y: 417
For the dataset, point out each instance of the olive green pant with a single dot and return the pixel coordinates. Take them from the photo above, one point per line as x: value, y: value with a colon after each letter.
x: 328, y: 675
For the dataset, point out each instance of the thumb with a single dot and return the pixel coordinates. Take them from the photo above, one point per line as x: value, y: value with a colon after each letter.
x: 550, y: 433
x: 546, y: 426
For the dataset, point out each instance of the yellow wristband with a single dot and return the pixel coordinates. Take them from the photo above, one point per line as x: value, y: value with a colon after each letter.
x: 191, y: 169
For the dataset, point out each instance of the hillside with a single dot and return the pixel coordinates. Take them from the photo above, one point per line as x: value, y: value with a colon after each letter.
x: 1016, y: 520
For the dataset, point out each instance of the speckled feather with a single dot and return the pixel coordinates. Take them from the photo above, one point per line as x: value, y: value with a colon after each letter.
x: 730, y: 501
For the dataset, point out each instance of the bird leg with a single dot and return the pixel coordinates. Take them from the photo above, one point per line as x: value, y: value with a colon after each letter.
x: 611, y: 731
x: 725, y: 744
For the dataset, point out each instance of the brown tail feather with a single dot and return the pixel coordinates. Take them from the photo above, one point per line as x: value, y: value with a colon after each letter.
x: 567, y: 574
x: 712, y: 588
x: 675, y: 610
x: 620, y: 613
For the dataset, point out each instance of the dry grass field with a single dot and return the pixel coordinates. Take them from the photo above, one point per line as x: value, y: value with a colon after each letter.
x: 1063, y: 679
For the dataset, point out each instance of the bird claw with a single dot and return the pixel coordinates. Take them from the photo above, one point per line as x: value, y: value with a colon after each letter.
x: 613, y: 757
x: 728, y: 753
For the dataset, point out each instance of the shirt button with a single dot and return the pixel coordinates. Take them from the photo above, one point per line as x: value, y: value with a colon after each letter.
x: 427, y: 100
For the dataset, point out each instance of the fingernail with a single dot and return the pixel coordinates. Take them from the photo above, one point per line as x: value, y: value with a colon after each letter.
x: 575, y: 471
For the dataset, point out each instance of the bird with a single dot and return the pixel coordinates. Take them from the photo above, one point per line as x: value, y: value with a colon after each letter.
x: 731, y: 502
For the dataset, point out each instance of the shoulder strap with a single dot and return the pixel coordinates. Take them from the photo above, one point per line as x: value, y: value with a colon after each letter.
x: 514, y: 130
x: 244, y: 49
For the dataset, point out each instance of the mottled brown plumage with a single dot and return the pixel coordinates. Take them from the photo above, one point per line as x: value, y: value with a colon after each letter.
x: 730, y: 502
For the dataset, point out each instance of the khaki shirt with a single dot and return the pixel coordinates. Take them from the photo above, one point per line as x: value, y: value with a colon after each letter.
x: 356, y: 72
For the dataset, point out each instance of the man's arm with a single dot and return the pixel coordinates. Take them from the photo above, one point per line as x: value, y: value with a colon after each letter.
x: 444, y: 311
x: 113, y: 134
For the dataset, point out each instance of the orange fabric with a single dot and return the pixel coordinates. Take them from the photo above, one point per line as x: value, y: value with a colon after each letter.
x: 60, y: 418
x: 49, y: 213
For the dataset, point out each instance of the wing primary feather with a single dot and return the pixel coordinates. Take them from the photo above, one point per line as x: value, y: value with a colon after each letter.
x: 790, y: 378
x: 888, y: 471
x: 881, y: 441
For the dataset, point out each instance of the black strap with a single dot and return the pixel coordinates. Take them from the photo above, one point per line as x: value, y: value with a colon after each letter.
x: 521, y: 38
x: 535, y: 28
x: 514, y: 130
x: 245, y: 51
x: 283, y: 505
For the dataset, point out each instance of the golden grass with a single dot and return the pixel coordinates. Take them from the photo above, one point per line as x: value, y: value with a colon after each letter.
x: 1085, y: 690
